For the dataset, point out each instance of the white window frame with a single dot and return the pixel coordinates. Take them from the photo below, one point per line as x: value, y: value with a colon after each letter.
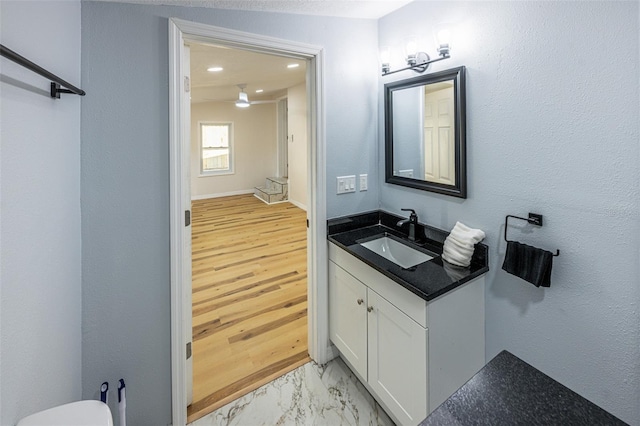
x: 231, y: 169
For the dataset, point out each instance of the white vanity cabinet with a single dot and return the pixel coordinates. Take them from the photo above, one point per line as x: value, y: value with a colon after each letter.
x: 411, y: 354
x: 348, y: 317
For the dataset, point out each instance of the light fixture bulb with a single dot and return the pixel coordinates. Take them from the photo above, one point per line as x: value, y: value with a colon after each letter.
x: 412, y: 47
x: 443, y: 38
x: 385, y: 55
x: 385, y: 59
x: 411, y: 51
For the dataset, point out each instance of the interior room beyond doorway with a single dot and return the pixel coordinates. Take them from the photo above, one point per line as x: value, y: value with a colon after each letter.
x: 249, y: 257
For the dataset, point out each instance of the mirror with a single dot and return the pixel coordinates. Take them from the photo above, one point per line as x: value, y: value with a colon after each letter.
x: 425, y: 139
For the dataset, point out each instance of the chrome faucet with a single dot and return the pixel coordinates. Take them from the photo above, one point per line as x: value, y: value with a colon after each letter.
x: 413, y: 223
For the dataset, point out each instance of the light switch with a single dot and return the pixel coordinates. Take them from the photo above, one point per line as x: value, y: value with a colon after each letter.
x: 363, y: 182
x: 346, y: 184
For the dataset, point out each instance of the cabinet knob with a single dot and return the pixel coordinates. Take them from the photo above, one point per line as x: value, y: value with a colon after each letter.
x: 360, y: 301
x: 370, y: 309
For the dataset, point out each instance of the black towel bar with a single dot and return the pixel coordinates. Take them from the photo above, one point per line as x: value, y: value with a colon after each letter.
x: 56, y: 82
x: 534, y: 219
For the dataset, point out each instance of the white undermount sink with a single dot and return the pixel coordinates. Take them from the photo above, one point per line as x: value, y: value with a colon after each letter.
x: 396, y: 252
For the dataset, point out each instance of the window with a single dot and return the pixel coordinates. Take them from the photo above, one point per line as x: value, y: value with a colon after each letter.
x: 216, y: 148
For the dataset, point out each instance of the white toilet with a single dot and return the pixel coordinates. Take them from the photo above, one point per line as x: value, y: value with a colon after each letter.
x: 80, y: 413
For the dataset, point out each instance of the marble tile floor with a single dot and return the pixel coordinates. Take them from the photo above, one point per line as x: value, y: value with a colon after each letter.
x: 312, y: 394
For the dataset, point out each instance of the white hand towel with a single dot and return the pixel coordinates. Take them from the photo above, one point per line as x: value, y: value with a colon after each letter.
x: 458, y: 246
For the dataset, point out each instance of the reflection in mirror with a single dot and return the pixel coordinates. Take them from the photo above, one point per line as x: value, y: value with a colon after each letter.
x: 425, y: 134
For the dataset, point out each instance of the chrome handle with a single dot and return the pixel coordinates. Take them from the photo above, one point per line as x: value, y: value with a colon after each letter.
x: 370, y: 309
x: 360, y: 301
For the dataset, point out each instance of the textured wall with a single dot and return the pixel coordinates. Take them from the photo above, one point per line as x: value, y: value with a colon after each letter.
x: 552, y: 128
x: 125, y: 175
x: 255, y: 138
x: 40, y: 229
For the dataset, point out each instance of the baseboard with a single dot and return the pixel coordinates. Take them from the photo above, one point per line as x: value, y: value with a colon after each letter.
x: 298, y: 204
x: 222, y: 194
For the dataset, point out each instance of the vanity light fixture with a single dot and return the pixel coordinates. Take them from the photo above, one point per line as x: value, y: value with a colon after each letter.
x: 417, y: 60
x: 243, y: 98
x: 385, y: 56
x: 443, y: 38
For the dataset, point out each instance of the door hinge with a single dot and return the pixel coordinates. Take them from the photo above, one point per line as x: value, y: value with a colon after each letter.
x: 188, y: 350
x: 187, y: 84
x: 187, y: 217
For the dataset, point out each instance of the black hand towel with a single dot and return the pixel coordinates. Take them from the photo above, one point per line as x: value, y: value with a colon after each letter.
x: 529, y: 263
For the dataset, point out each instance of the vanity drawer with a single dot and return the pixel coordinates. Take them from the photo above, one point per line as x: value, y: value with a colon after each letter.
x: 412, y: 305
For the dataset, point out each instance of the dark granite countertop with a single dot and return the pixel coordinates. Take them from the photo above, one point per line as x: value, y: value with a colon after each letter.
x: 508, y: 391
x: 429, y: 279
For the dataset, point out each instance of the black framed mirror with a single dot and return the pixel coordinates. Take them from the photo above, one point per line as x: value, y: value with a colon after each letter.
x: 425, y: 135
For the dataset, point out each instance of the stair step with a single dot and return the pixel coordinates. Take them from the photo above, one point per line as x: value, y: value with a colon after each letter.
x: 277, y: 184
x: 280, y: 180
x: 269, y: 195
x: 268, y: 191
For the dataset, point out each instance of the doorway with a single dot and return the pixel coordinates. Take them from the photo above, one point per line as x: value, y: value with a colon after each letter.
x: 181, y: 31
x: 249, y: 263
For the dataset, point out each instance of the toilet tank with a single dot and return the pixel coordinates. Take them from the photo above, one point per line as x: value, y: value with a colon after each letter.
x: 80, y: 413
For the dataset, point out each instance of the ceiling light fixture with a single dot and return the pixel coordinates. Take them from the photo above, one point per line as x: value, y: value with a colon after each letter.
x: 243, y: 99
x: 215, y: 69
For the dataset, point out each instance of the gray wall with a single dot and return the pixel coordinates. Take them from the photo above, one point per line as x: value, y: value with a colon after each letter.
x: 40, y: 230
x: 552, y: 107
x: 550, y: 129
x: 125, y: 175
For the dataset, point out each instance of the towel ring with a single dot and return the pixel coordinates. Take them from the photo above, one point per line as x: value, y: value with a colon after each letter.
x: 534, y: 219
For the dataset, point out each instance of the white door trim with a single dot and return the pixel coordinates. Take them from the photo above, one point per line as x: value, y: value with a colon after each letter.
x: 283, y: 136
x: 179, y: 32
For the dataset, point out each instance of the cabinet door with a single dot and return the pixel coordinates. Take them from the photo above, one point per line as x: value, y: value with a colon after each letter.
x: 348, y: 317
x: 397, y: 360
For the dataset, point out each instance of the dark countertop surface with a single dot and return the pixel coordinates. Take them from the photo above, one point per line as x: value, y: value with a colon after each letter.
x: 429, y: 279
x: 508, y: 391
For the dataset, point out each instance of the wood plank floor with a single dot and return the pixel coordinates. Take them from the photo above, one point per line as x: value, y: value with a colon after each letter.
x: 249, y: 279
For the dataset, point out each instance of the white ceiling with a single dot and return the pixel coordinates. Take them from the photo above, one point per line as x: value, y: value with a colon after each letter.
x: 256, y: 70
x: 367, y: 9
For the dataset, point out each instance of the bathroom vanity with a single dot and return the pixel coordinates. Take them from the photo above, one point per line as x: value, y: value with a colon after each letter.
x: 413, y: 334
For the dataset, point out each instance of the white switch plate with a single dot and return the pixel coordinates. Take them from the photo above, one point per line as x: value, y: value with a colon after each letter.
x: 346, y: 184
x: 363, y: 182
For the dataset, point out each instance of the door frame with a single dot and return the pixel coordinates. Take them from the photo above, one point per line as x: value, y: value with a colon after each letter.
x: 283, y: 137
x: 317, y: 290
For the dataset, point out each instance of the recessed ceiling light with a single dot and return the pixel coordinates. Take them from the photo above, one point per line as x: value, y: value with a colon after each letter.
x: 259, y: 91
x: 293, y: 65
x: 215, y: 69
